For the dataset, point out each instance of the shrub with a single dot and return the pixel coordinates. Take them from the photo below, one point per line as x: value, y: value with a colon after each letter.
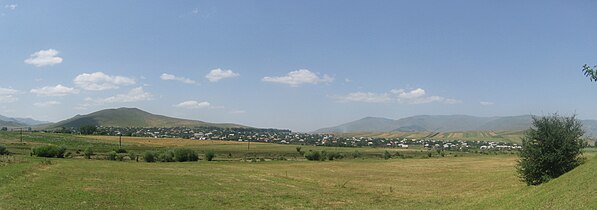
x: 550, y: 148
x: 298, y: 149
x: 387, y: 155
x: 209, y: 155
x: 149, y: 156
x: 183, y: 155
x: 49, y: 151
x: 313, y: 155
x: 111, y: 155
x: 120, y: 150
x: 166, y: 156
x: 88, y: 153
x: 356, y: 154
x: 120, y: 157
x: 3, y: 150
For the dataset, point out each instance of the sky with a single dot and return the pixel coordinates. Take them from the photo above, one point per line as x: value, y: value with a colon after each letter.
x: 299, y: 65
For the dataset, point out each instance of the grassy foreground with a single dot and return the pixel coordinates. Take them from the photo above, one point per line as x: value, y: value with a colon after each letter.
x: 360, y: 184
x: 469, y: 181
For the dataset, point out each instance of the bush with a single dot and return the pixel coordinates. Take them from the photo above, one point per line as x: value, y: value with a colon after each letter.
x: 120, y: 150
x: 550, y: 148
x: 88, y: 153
x: 313, y: 155
x: 387, y: 155
x: 3, y: 150
x: 166, y: 156
x: 356, y: 154
x: 49, y: 151
x: 149, y: 156
x: 111, y: 155
x: 209, y: 155
x: 120, y: 157
x: 183, y: 155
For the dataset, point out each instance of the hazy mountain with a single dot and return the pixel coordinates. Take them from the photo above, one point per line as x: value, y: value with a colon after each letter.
x: 132, y: 117
x: 22, y: 121
x: 443, y: 123
x: 11, y: 124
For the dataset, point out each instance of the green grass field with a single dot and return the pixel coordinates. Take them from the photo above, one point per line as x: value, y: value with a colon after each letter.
x: 469, y: 182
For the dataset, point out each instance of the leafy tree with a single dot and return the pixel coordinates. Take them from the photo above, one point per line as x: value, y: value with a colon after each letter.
x: 550, y: 148
x: 209, y: 155
x: 589, y: 72
x: 87, y: 129
x: 3, y: 150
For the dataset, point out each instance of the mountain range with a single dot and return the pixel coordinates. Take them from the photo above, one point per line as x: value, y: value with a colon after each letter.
x: 19, y: 122
x: 443, y: 123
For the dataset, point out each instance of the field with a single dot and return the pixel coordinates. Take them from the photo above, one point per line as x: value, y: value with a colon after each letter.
x: 466, y: 181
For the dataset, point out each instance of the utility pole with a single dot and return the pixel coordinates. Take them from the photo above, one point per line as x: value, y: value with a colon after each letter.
x: 120, y: 141
x: 248, y: 144
x: 21, y: 135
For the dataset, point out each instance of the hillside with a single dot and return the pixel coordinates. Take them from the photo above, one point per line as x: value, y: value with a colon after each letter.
x: 132, y: 117
x: 574, y: 190
x: 443, y: 123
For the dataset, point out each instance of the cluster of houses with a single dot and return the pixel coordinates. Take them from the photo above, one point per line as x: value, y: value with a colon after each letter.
x: 288, y: 137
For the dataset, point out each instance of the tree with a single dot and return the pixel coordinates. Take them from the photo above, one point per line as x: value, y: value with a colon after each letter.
x: 589, y: 72
x: 550, y: 148
x: 87, y: 129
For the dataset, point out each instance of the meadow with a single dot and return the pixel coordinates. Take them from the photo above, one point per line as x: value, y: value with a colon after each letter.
x: 477, y: 181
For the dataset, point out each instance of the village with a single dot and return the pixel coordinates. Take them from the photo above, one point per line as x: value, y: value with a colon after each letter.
x: 279, y: 136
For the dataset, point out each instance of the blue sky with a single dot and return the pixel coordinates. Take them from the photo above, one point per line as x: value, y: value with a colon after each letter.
x: 300, y: 65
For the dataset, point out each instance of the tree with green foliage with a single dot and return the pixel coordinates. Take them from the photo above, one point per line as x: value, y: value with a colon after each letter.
x: 209, y: 155
x: 87, y: 129
x: 550, y: 148
x: 3, y: 150
x: 589, y: 72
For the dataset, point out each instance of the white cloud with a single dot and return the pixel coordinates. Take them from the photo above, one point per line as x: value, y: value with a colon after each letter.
x: 217, y: 74
x: 8, y: 99
x: 46, y: 103
x: 44, y: 58
x: 134, y: 95
x: 486, y: 103
x: 166, y: 76
x: 192, y: 104
x: 100, y: 81
x: 416, y: 96
x: 7, y: 95
x: 238, y: 112
x: 299, y: 77
x: 365, y: 97
x: 11, y: 6
x: 7, y: 91
x: 58, y: 90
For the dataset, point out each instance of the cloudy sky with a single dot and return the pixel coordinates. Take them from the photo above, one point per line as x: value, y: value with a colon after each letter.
x: 300, y: 65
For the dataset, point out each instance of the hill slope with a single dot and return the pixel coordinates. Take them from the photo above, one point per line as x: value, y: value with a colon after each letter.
x: 576, y: 189
x: 132, y: 117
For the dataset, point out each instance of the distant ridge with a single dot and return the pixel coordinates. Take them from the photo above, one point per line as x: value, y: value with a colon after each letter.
x: 443, y: 123
x: 133, y: 117
x: 19, y: 122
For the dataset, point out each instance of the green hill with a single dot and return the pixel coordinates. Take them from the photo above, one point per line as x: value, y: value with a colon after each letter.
x: 576, y: 189
x: 133, y: 117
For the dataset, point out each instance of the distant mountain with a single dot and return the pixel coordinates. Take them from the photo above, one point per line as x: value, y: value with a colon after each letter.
x: 11, y: 124
x: 443, y: 123
x: 21, y: 121
x: 132, y: 117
